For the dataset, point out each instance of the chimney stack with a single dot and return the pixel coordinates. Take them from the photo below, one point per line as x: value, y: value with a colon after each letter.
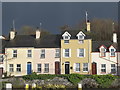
x: 88, y: 25
x: 12, y: 34
x: 38, y: 33
x: 114, y: 37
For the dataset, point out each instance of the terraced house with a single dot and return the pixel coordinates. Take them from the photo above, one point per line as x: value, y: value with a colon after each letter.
x: 105, y: 57
x: 32, y: 53
x: 76, y: 52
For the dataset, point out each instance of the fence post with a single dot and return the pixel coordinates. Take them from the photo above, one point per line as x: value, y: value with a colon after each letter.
x: 33, y: 85
x: 8, y: 86
x: 79, y: 86
x: 26, y: 86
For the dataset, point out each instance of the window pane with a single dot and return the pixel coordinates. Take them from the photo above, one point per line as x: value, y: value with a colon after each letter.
x: 77, y: 66
x: 66, y: 41
x: 66, y: 52
x: 42, y: 54
x: 38, y: 67
x: 85, y: 66
x: 46, y: 68
x: 81, y: 52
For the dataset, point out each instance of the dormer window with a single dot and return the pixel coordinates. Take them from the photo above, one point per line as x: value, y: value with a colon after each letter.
x: 103, y: 52
x: 66, y: 37
x: 112, y: 51
x: 81, y: 35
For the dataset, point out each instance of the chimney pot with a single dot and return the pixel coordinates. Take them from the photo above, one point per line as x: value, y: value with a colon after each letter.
x: 38, y: 34
x: 114, y: 37
x: 12, y: 34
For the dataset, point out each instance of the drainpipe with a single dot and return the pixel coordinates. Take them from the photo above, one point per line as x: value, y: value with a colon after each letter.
x: 88, y: 57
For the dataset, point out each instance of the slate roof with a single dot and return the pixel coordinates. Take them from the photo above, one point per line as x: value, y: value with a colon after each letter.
x: 73, y: 34
x: 22, y: 41
x: 48, y: 41
x: 96, y: 45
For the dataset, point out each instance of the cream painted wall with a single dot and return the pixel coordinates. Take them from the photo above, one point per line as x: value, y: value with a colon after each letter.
x: 49, y: 58
x: 74, y: 45
x: 104, y: 60
x: 21, y: 59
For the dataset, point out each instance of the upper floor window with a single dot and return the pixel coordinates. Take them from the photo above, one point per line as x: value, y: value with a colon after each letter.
x: 112, y: 52
x: 57, y: 53
x: 18, y: 69
x: 11, y: 68
x: 66, y: 52
x: 42, y: 55
x: 29, y: 54
x: 81, y: 52
x: 103, y: 52
x: 14, y: 53
x: 66, y: 41
x: 85, y: 67
x: 103, y: 68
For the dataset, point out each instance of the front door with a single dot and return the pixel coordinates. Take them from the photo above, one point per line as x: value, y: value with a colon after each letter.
x: 94, y: 68
x: 57, y: 67
x: 29, y: 68
x: 67, y: 68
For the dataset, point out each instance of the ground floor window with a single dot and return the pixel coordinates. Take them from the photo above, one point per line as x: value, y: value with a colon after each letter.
x: 113, y: 70
x: 46, y: 68
x: 85, y: 67
x: 11, y: 68
x: 18, y: 69
x: 77, y: 67
x: 39, y: 68
x: 103, y: 68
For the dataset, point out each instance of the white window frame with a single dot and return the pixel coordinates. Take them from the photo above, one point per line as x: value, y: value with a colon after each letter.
x: 69, y: 53
x: 42, y: 53
x: 66, y: 41
x: 112, y: 52
x: 113, y: 68
x: 78, y: 52
x: 57, y: 53
x: 102, y: 68
x: 18, y: 69
x: 39, y: 67
x: 29, y: 53
x: 46, y: 69
x: 14, y: 53
x: 11, y: 68
x: 85, y: 67
x: 77, y: 68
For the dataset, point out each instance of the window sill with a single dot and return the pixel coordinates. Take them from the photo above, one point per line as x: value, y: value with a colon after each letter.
x: 85, y: 71
x: 66, y: 57
x: 46, y: 72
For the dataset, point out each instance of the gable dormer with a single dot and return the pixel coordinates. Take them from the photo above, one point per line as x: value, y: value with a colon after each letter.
x: 112, y: 50
x: 81, y: 35
x: 102, y: 50
x: 66, y: 36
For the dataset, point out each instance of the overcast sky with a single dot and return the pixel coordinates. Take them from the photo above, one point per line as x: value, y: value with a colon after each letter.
x: 52, y: 15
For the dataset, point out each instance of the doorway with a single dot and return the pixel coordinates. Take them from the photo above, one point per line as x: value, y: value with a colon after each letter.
x: 29, y: 68
x: 67, y: 68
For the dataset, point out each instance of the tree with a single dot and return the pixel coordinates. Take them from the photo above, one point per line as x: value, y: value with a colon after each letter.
x: 28, y: 30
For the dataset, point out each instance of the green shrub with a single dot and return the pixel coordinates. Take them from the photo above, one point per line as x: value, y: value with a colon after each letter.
x: 104, y: 81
